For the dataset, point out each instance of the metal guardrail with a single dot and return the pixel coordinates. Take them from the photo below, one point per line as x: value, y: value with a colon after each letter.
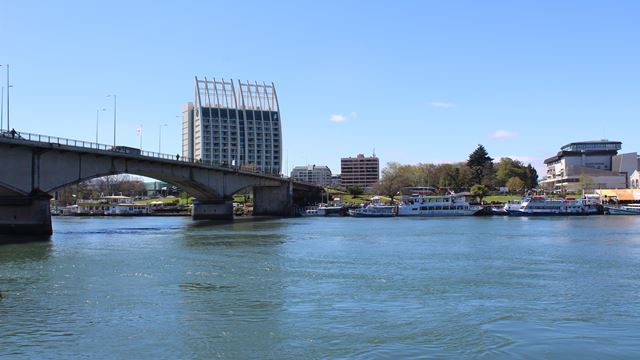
x: 125, y: 150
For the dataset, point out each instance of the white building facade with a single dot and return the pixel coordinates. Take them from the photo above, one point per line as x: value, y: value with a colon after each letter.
x: 233, y: 124
x: 319, y: 175
x: 634, y: 180
x: 586, y: 164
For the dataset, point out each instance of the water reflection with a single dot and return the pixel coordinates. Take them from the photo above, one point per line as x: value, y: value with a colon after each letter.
x: 253, y: 232
x: 23, y: 239
x: 25, y: 252
x: 234, y: 290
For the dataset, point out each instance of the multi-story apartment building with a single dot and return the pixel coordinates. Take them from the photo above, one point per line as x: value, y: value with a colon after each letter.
x: 233, y: 124
x: 319, y: 175
x: 586, y: 161
x: 360, y: 171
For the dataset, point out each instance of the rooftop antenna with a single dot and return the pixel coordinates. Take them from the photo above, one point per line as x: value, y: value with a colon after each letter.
x: 374, y: 151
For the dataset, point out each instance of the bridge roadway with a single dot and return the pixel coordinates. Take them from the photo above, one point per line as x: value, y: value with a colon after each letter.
x: 34, y: 166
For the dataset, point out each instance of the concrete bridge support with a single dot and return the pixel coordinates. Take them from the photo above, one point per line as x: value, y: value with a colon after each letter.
x: 212, y: 210
x: 25, y: 215
x: 274, y: 200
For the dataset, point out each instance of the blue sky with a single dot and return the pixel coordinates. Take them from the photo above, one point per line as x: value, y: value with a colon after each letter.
x: 421, y: 81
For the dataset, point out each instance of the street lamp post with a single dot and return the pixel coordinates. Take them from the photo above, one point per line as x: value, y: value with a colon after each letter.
x: 2, y: 110
x: 8, y: 86
x: 160, y: 138
x: 114, y: 117
x: 98, y: 121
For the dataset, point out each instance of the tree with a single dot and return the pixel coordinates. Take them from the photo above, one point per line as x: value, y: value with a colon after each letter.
x: 481, y: 165
x: 355, y: 190
x: 395, y: 177
x: 508, y: 168
x: 531, y: 177
x: 586, y: 183
x: 515, y: 184
x: 479, y: 191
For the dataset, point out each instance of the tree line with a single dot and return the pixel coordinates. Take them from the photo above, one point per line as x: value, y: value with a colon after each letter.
x: 479, y: 174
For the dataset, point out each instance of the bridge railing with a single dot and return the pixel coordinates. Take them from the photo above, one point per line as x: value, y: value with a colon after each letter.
x: 120, y: 149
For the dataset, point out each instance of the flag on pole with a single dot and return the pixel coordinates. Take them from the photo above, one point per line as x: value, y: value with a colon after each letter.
x: 139, y: 131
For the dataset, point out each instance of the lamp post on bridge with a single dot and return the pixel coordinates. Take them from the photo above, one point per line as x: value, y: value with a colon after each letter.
x: 8, y: 86
x: 114, y: 117
x: 2, y: 110
x: 160, y: 138
x: 98, y: 121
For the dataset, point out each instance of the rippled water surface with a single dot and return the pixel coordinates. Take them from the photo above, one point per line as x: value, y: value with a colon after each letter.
x: 325, y: 288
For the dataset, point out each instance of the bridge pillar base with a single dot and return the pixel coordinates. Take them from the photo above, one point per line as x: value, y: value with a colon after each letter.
x: 25, y: 216
x: 212, y: 210
x: 273, y: 200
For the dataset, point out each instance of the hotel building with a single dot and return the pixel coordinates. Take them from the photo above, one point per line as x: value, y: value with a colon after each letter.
x: 360, y: 171
x: 233, y: 124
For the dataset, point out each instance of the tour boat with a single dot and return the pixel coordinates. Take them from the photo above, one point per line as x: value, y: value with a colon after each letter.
x: 374, y: 209
x: 629, y: 209
x: 437, y: 205
x: 541, y: 206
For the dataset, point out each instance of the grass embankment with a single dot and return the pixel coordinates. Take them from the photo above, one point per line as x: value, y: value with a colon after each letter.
x: 501, y: 198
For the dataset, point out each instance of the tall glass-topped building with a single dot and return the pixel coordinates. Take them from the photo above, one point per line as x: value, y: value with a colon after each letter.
x: 233, y: 124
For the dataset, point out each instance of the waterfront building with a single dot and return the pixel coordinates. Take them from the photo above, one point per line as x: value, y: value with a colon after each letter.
x: 233, y: 124
x: 159, y: 188
x: 360, y: 171
x: 584, y: 164
x: 336, y: 181
x: 626, y: 164
x: 634, y: 180
x: 319, y: 175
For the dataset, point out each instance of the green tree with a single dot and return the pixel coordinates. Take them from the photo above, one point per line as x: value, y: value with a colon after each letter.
x: 355, y: 190
x: 481, y: 165
x: 508, y: 168
x: 515, y: 184
x: 531, y: 177
x: 479, y: 191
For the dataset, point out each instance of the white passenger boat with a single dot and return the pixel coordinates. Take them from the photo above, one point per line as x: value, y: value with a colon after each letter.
x: 374, y: 209
x: 629, y: 209
x: 541, y: 206
x: 329, y: 210
x: 437, y: 205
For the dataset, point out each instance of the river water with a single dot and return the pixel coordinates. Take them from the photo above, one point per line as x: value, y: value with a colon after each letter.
x: 307, y: 288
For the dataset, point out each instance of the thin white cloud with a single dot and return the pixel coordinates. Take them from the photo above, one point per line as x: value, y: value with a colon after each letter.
x: 338, y: 118
x: 442, y: 104
x: 501, y: 134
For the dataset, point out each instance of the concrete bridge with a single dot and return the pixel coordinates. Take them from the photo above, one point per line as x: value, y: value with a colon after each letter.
x: 33, y: 166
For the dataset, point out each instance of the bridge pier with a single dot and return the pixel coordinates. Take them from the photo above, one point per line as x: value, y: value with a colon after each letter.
x: 274, y: 200
x: 29, y: 215
x: 212, y: 210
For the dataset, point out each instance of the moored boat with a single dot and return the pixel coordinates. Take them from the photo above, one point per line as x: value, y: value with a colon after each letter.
x: 541, y: 206
x: 437, y: 205
x: 374, y: 209
x: 629, y: 209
